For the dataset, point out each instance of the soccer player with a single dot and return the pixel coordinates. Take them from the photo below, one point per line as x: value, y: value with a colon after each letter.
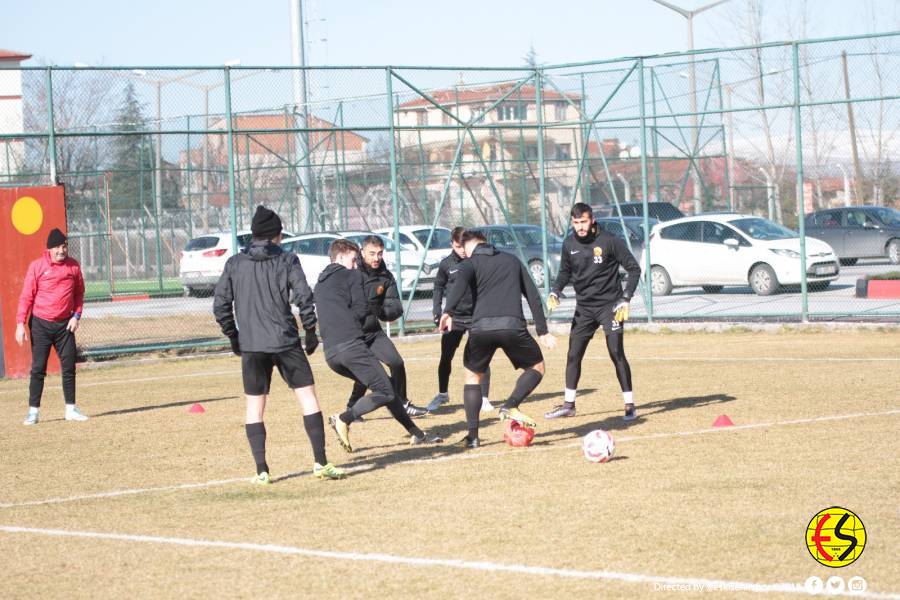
x: 343, y: 307
x: 252, y: 305
x: 591, y: 258
x: 384, y: 304
x: 51, y: 304
x: 498, y: 282
x: 462, y: 322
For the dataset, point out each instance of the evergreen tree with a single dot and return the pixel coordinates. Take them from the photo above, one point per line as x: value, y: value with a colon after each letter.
x: 132, y: 165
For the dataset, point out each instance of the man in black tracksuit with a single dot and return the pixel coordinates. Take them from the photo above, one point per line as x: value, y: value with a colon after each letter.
x: 384, y: 305
x: 343, y: 307
x: 591, y: 258
x: 462, y: 322
x: 252, y: 305
x: 498, y: 282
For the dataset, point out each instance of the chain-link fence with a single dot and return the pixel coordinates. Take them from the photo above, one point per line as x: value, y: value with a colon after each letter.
x: 163, y: 168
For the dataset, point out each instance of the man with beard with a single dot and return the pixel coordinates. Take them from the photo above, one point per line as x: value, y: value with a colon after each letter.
x: 590, y: 259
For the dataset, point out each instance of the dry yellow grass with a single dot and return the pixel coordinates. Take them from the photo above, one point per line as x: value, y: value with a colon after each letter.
x: 679, y: 501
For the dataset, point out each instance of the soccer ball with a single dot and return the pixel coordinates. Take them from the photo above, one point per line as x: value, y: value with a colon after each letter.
x: 518, y: 435
x: 598, y: 446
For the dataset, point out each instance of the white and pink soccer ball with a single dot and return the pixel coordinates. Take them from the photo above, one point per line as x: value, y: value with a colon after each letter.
x: 598, y: 446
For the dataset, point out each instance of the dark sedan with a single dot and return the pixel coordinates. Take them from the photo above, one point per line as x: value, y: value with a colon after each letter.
x: 530, y: 239
x: 858, y: 232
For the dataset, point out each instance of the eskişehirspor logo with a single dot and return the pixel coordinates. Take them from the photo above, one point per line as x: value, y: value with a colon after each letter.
x: 835, y: 537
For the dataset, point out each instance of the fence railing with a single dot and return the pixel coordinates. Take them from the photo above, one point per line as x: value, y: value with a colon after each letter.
x: 153, y: 157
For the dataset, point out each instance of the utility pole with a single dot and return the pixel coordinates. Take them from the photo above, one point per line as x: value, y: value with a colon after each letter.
x: 857, y: 169
x: 301, y: 102
x: 692, y: 76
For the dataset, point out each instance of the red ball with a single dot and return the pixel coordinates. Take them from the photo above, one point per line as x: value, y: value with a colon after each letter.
x: 518, y: 435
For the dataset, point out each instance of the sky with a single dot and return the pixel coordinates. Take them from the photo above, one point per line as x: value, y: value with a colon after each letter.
x: 401, y: 32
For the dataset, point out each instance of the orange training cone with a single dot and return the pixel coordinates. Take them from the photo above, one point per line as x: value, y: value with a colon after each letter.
x: 196, y: 408
x: 722, y: 421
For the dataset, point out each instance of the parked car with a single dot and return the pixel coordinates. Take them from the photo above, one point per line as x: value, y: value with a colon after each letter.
x: 858, y: 232
x: 662, y: 211
x: 410, y: 259
x: 634, y: 227
x: 312, y: 250
x: 413, y: 238
x: 713, y: 251
x: 530, y: 239
x: 203, y: 259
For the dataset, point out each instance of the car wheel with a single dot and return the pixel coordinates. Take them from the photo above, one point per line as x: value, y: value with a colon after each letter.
x: 819, y: 286
x: 536, y: 268
x: 848, y: 262
x: 660, y: 282
x: 893, y: 252
x: 763, y: 280
x: 712, y: 289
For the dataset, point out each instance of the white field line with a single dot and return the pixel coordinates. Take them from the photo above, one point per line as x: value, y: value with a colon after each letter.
x: 692, y: 583
x: 709, y: 359
x: 462, y: 456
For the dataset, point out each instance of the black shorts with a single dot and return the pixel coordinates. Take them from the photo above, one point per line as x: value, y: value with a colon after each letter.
x: 518, y: 345
x: 256, y: 368
x: 586, y: 321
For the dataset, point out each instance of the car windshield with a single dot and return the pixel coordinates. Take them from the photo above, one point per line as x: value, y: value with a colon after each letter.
x: 531, y: 236
x: 888, y: 216
x: 439, y: 241
x: 763, y: 229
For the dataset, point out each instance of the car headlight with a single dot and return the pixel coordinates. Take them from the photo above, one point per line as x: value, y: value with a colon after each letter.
x: 786, y: 252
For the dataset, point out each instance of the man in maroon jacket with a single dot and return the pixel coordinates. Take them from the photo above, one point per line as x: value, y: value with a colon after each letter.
x: 51, y: 303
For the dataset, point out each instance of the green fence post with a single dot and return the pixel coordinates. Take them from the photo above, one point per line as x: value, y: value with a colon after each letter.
x: 232, y: 207
x: 51, y: 128
x: 801, y: 209
x: 648, y: 294
x: 156, y: 209
x: 394, y: 200
x: 539, y: 107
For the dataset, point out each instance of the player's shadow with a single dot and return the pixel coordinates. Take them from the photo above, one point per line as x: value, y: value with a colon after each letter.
x: 444, y: 409
x: 137, y: 409
x: 615, y: 422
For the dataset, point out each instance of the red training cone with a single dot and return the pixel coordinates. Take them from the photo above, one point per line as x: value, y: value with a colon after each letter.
x: 196, y: 408
x: 722, y: 421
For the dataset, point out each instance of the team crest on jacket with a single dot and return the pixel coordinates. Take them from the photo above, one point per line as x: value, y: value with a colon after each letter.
x: 379, y: 290
x: 598, y: 255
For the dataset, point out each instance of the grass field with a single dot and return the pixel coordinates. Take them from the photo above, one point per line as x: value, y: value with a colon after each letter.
x: 147, y: 500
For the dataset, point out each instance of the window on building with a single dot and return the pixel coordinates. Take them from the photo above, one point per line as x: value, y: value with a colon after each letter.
x: 563, y: 151
x: 560, y: 112
x: 445, y: 119
x: 421, y: 118
x: 512, y: 111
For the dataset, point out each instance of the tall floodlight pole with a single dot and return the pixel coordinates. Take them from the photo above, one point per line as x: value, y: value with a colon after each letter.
x: 301, y: 100
x: 695, y: 133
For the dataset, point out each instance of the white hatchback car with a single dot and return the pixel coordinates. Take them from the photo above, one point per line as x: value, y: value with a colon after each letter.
x: 203, y: 259
x: 716, y: 250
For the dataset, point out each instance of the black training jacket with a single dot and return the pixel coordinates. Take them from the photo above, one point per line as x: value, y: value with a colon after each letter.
x: 444, y: 280
x: 498, y: 281
x: 257, y: 289
x: 381, y: 296
x: 592, y: 263
x: 342, y: 307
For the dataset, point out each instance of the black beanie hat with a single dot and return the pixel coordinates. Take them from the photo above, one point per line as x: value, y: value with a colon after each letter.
x: 266, y: 224
x: 56, y: 238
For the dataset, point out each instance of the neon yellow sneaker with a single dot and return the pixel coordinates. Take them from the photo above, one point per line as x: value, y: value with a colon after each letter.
x: 342, y: 430
x: 262, y: 479
x: 328, y: 471
x: 517, y: 415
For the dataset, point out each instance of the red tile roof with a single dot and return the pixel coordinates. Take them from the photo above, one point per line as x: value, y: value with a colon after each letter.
x: 488, y: 93
x: 13, y: 55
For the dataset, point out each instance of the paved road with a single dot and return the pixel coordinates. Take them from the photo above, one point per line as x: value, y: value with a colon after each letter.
x: 740, y: 302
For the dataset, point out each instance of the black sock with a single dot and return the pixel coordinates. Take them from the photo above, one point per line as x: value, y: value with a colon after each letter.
x: 472, y: 404
x: 256, y: 435
x: 315, y: 430
x: 486, y: 383
x: 363, y: 406
x: 524, y: 385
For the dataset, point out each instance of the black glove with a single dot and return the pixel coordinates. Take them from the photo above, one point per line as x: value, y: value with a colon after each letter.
x: 235, y: 346
x: 437, y: 320
x: 312, y: 342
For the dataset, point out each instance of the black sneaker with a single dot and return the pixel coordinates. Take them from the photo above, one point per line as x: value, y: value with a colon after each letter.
x: 468, y: 442
x: 563, y: 410
x: 630, y: 413
x: 414, y: 411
